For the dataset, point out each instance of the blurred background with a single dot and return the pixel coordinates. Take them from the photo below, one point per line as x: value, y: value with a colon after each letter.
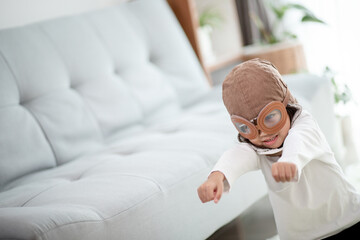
x: 319, y: 37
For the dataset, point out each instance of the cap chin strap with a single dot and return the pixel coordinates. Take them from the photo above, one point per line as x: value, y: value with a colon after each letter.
x: 287, y: 97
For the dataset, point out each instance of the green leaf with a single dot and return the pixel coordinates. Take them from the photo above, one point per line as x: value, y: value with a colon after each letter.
x: 290, y: 35
x: 342, y: 92
x: 210, y: 17
x: 308, y: 15
x: 272, y: 39
x: 311, y: 18
x: 279, y: 12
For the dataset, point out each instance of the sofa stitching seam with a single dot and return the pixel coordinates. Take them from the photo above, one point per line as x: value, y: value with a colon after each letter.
x: 33, y: 197
x: 44, y: 133
x: 103, y: 219
x: 47, y: 36
x: 110, y: 217
x: 105, y: 46
x: 12, y: 74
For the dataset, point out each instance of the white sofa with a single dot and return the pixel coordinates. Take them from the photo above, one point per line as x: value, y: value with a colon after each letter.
x: 108, y: 126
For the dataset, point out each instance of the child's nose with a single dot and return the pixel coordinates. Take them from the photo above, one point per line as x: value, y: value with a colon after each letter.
x: 261, y: 133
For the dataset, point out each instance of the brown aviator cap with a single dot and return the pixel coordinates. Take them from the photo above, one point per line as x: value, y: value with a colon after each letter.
x: 250, y: 86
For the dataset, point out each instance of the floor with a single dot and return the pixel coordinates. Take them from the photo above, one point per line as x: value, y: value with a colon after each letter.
x: 256, y: 223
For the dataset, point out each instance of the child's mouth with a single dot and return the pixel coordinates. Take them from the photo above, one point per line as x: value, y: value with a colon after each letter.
x: 270, y: 141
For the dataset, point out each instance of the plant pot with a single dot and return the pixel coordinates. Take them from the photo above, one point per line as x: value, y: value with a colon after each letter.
x: 206, y: 47
x: 288, y: 57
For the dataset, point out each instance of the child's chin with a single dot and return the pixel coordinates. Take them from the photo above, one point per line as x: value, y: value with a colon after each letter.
x: 272, y: 147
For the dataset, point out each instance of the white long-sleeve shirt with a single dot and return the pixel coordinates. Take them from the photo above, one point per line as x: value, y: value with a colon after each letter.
x: 319, y: 202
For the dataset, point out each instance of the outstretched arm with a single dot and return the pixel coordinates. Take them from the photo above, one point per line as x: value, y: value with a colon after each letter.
x: 235, y: 162
x: 231, y: 165
x: 304, y: 143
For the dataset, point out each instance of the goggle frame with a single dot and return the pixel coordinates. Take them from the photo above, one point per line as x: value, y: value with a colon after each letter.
x: 258, y: 123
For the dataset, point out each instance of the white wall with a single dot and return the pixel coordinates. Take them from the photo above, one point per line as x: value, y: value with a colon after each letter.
x: 20, y: 12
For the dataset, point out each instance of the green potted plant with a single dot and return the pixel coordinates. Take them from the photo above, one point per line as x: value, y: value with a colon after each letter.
x: 278, y: 32
x: 209, y: 19
x: 343, y: 99
x: 279, y: 45
x: 342, y: 92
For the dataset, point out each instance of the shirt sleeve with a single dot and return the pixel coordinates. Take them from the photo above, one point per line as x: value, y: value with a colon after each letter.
x: 235, y: 162
x: 304, y: 142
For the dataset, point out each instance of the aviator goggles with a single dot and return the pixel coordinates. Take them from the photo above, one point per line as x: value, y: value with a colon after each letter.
x: 270, y: 120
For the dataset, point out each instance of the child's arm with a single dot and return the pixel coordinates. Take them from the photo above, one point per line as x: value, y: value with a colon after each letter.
x: 232, y: 164
x: 305, y: 142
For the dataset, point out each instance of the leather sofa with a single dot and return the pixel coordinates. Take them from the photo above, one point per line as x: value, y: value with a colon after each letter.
x: 108, y: 126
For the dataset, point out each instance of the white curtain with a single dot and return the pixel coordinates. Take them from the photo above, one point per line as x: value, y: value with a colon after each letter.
x: 336, y: 45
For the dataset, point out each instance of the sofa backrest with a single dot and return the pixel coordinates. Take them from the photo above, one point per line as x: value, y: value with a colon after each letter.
x: 68, y: 84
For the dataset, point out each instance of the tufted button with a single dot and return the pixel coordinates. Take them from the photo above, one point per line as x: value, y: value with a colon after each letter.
x: 118, y: 70
x: 72, y: 85
x: 76, y: 178
x: 125, y: 153
x: 153, y: 59
x: 169, y: 130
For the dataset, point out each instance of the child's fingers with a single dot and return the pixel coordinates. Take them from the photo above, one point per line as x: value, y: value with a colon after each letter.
x: 206, y: 192
x: 212, y: 188
x: 278, y: 172
x: 201, y: 193
x: 218, y: 193
x: 209, y: 192
x: 288, y: 173
x: 293, y: 171
x: 283, y: 172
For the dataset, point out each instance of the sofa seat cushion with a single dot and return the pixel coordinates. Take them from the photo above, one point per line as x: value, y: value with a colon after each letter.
x: 130, y: 170
x: 97, y: 187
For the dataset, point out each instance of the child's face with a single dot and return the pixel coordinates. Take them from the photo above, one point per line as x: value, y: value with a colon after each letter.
x: 275, y: 140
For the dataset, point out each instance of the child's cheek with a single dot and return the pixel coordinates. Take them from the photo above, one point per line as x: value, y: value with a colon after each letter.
x: 284, y: 131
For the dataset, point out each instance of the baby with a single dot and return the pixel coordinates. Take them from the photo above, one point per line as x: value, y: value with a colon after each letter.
x: 310, y: 197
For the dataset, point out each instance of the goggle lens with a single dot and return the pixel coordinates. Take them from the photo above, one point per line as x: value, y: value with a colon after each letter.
x: 273, y: 118
x: 243, y: 128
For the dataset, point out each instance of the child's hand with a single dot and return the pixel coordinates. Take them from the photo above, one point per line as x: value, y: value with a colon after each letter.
x: 212, y: 188
x: 283, y: 171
